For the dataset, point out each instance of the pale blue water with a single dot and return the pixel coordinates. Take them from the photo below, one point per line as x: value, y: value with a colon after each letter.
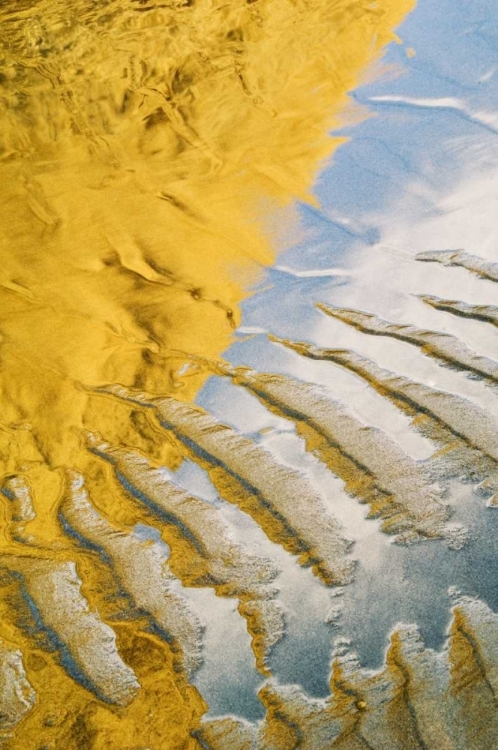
x: 418, y: 175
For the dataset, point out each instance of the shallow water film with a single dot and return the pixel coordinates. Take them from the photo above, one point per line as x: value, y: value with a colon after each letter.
x: 249, y: 375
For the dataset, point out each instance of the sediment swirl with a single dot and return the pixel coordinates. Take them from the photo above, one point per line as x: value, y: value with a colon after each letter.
x: 483, y: 268
x: 442, y: 346
x: 202, y: 550
x: 280, y: 499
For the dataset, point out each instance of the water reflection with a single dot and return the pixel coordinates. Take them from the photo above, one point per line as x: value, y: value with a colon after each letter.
x: 410, y: 180
x: 151, y: 155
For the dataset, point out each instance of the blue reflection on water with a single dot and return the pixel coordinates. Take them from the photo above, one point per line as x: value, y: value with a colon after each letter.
x: 434, y: 125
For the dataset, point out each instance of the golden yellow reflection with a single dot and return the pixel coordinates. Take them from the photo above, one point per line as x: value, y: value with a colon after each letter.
x: 144, y: 146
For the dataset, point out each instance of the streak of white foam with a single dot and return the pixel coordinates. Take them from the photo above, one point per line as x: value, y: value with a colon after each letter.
x: 250, y: 330
x: 481, y: 117
x: 313, y: 273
